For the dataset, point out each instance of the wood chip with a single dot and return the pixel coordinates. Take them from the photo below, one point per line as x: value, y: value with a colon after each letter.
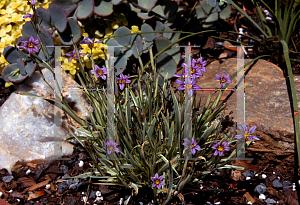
x: 249, y: 197
x: 37, y: 194
x: 37, y: 186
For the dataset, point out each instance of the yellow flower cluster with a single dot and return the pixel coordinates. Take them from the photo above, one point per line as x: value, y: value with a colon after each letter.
x: 112, y: 23
x: 11, y: 22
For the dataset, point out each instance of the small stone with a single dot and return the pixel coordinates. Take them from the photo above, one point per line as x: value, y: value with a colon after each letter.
x: 247, y: 174
x: 270, y: 201
x: 1, y: 194
x: 45, y: 201
x: 277, y: 184
x: 10, y: 191
x: 264, y: 176
x: 7, y: 179
x: 287, y: 185
x: 48, y: 186
x: 249, y: 202
x: 248, y: 178
x: 261, y: 188
x: 262, y: 196
x: 141, y: 203
x: 18, y: 200
x: 62, y: 187
x: 64, y: 168
x: 28, y: 172
x: 218, y: 203
x: 256, y: 175
x: 121, y: 201
x: 80, y: 164
x: 92, y: 194
x: 84, y: 199
x: 278, y: 177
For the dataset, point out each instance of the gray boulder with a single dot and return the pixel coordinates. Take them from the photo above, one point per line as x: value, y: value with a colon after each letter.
x: 28, y: 131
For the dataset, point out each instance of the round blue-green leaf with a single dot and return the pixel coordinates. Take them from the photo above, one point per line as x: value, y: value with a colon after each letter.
x: 161, y: 42
x: 116, y: 2
x: 17, y: 78
x: 206, y: 7
x: 7, y: 70
x: 200, y: 12
x: 144, y: 15
x: 170, y: 8
x: 21, y: 66
x: 58, y: 17
x: 166, y: 65
x: 148, y: 4
x: 103, y: 7
x: 85, y: 9
x: 28, y: 30
x: 120, y: 63
x: 123, y: 40
x: 167, y: 35
x: 117, y: 48
x: 65, y: 4
x: 72, y: 28
x: 175, y: 53
x: 11, y: 54
x: 44, y: 17
x: 147, y: 36
x: 211, y: 18
x: 159, y: 10
x: 159, y: 27
x: 48, y: 40
x: 30, y: 68
x: 225, y: 13
x: 138, y: 47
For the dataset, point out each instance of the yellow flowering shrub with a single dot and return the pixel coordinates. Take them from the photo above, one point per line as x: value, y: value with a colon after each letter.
x: 11, y: 22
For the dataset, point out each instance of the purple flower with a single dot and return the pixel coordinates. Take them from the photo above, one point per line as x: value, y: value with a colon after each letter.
x: 122, y: 80
x: 223, y: 79
x: 73, y: 54
x: 29, y: 45
x: 194, y: 75
x: 220, y: 148
x: 111, y: 146
x: 100, y: 72
x: 157, y: 181
x: 89, y: 41
x: 191, y: 146
x: 247, y: 134
x: 28, y: 15
x: 199, y: 64
x: 32, y: 2
x: 190, y: 87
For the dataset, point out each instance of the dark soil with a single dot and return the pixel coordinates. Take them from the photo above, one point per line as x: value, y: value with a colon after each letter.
x: 226, y: 187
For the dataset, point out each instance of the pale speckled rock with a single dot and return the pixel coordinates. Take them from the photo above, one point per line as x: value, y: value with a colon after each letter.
x: 27, y: 123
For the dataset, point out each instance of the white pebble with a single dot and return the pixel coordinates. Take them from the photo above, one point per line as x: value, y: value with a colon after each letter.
x: 84, y: 199
x: 18, y: 200
x: 201, y: 187
x: 47, y: 186
x: 294, y: 187
x: 248, y: 178
x: 121, y: 201
x: 218, y: 202
x: 80, y: 164
x: 10, y: 191
x: 98, y: 199
x: 249, y: 202
x: 98, y: 193
x: 278, y: 177
x: 273, y: 172
x: 1, y: 193
x: 264, y: 176
x: 262, y: 196
x: 28, y: 172
x: 298, y: 181
x: 256, y: 175
x: 268, y: 18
